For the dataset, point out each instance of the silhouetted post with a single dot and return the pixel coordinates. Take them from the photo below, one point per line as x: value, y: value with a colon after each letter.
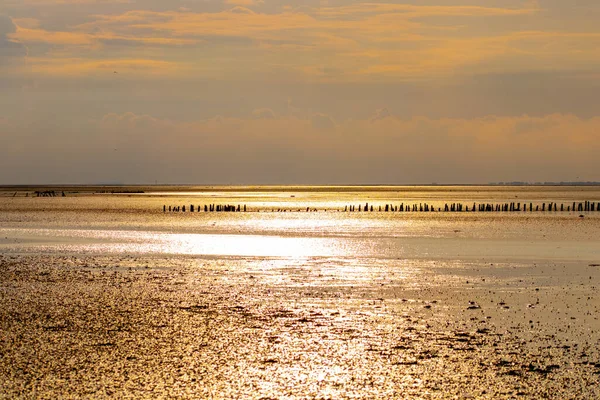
x: 562, y: 207
x: 164, y: 208
x: 530, y: 207
x: 191, y: 208
x: 366, y: 206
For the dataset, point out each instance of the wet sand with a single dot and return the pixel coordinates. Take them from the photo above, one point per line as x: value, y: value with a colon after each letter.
x: 87, y: 326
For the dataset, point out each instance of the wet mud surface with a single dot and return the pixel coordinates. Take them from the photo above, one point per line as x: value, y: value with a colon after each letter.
x: 125, y: 327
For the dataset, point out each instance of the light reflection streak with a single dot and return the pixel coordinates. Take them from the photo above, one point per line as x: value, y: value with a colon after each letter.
x: 95, y: 241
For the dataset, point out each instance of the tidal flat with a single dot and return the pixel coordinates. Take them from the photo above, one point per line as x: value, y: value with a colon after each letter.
x: 108, y: 297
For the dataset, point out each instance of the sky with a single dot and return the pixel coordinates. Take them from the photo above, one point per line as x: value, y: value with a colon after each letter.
x: 299, y: 92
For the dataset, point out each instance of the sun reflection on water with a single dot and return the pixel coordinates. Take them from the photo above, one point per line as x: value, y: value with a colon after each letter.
x: 252, y: 246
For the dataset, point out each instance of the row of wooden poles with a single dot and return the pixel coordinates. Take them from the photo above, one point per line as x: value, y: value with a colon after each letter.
x: 207, y: 208
x: 421, y: 207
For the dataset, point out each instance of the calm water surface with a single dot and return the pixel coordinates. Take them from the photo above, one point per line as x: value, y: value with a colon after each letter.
x: 134, y: 223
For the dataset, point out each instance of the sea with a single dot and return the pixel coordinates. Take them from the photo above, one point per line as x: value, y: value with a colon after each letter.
x: 304, y: 223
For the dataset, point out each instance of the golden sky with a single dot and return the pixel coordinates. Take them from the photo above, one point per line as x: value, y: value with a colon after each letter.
x: 261, y: 91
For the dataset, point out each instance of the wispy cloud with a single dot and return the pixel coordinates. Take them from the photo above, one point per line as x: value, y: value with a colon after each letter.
x: 366, y: 39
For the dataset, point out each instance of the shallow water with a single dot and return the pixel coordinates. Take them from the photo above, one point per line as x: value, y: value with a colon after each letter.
x: 102, y: 223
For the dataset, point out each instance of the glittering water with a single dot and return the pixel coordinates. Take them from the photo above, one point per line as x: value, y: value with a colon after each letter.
x: 278, y: 225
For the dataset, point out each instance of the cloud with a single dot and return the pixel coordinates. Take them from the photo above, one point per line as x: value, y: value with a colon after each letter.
x: 9, y: 48
x: 344, y: 43
x: 360, y: 42
x: 108, y: 68
x: 143, y: 148
x: 419, y: 11
x: 245, y: 3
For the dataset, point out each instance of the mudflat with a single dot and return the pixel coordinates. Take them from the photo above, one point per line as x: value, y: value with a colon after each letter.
x: 121, y: 326
x: 110, y: 295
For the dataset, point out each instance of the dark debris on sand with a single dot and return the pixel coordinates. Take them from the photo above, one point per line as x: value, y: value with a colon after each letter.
x: 104, y: 328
